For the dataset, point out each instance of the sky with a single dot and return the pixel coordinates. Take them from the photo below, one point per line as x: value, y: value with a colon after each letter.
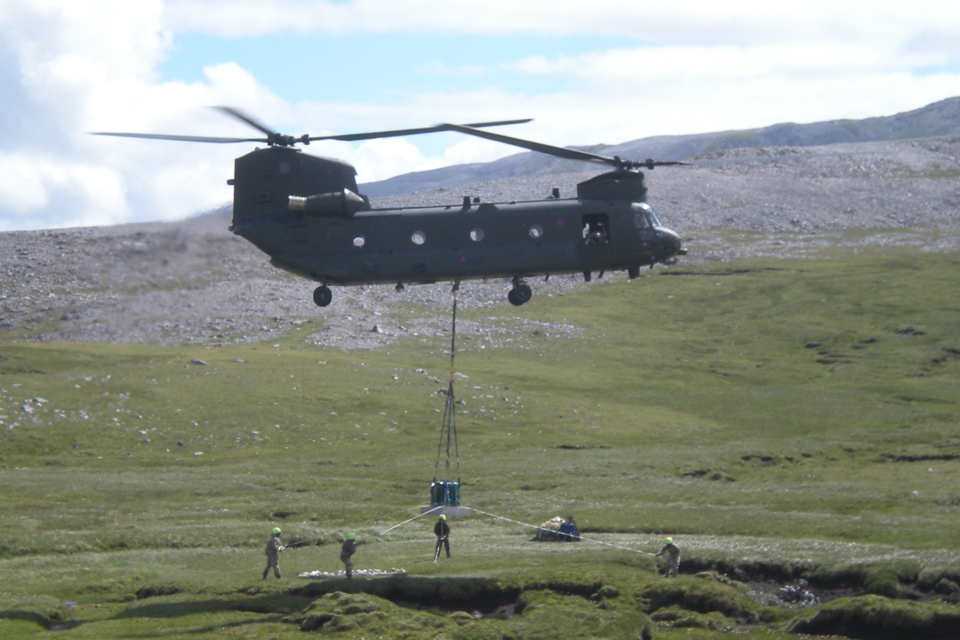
x: 605, y: 71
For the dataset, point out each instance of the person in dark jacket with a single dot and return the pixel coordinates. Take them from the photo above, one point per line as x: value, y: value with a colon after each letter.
x: 273, y: 549
x: 442, y: 531
x: 347, y: 549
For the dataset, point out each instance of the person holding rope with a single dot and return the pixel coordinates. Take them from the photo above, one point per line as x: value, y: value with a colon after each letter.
x: 442, y: 531
x: 274, y: 547
x: 347, y: 549
x: 673, y: 558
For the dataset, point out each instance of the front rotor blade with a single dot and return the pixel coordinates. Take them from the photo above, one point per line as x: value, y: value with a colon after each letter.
x: 350, y: 137
x: 160, y: 136
x: 239, y: 115
x: 561, y: 152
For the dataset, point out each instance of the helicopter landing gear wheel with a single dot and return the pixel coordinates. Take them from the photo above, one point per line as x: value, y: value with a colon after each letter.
x: 322, y: 296
x: 520, y: 294
x: 633, y: 272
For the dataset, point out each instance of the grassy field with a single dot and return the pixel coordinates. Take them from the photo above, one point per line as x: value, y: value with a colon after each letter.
x: 791, y: 416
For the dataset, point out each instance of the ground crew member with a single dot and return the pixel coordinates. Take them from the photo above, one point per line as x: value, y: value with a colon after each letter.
x: 442, y: 531
x: 673, y: 557
x: 274, y: 547
x: 347, y: 549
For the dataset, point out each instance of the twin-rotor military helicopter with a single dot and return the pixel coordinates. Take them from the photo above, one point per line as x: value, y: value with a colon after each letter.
x: 307, y: 214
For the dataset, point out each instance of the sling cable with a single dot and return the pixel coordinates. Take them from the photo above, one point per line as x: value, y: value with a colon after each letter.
x: 445, y: 494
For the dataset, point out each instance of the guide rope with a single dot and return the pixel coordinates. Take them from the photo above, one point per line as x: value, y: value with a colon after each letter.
x: 425, y: 513
x: 524, y: 524
x: 533, y: 526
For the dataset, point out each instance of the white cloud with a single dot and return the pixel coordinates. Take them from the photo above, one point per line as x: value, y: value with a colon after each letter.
x: 653, y: 21
x: 72, y: 66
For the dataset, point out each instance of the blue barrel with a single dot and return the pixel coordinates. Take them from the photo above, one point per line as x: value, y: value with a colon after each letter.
x: 453, y: 494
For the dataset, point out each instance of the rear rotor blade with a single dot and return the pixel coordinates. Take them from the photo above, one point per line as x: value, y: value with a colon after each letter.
x: 412, y: 132
x: 561, y: 152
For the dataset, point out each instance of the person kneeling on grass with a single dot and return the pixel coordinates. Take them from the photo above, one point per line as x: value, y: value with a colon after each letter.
x: 274, y: 547
x: 347, y: 549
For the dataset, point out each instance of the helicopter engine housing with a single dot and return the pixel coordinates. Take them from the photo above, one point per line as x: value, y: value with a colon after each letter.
x: 265, y: 179
x: 341, y: 203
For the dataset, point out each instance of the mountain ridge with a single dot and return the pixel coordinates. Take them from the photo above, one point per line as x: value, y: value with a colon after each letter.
x: 940, y: 118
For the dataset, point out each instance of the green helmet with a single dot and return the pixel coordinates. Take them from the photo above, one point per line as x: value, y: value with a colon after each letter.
x: 351, y: 536
x: 668, y: 540
x: 276, y: 531
x: 443, y: 517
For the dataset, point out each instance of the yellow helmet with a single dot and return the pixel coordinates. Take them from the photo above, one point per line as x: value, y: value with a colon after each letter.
x: 443, y: 517
x: 276, y: 531
x: 668, y: 540
x: 351, y: 536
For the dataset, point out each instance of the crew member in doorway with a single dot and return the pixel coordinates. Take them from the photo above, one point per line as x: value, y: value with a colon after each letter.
x: 442, y: 531
x: 673, y: 557
x: 347, y: 549
x: 274, y: 547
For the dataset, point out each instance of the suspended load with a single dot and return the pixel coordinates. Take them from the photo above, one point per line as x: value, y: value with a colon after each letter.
x: 443, y: 493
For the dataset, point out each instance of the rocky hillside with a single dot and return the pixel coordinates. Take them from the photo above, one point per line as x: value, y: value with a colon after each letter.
x: 194, y: 282
x: 938, y: 119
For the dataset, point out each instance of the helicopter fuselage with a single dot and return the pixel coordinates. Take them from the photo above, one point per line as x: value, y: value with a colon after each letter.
x: 303, y: 211
x: 464, y: 241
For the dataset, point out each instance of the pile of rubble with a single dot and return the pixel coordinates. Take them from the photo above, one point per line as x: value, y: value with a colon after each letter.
x: 365, y: 573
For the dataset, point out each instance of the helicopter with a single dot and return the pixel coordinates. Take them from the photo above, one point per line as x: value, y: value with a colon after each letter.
x: 306, y: 212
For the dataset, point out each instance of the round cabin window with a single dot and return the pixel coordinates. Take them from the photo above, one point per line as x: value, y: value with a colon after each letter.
x: 536, y: 232
x: 476, y: 234
x: 418, y: 237
x: 359, y: 241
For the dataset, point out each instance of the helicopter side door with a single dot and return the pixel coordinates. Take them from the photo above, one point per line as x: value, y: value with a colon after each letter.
x: 596, y: 229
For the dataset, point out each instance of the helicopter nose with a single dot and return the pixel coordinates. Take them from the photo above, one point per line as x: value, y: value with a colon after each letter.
x: 670, y: 243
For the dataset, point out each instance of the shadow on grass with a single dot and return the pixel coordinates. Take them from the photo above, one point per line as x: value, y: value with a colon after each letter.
x: 210, y: 628
x: 466, y: 594
x: 276, y: 604
x: 50, y: 623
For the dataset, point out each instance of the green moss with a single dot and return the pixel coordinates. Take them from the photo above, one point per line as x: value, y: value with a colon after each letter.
x: 699, y: 595
x: 878, y: 617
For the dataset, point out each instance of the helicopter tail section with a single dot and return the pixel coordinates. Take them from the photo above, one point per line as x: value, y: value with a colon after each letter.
x: 265, y: 180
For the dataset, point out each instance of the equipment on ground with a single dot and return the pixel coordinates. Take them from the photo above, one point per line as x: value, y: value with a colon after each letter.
x: 558, y: 530
x: 307, y: 214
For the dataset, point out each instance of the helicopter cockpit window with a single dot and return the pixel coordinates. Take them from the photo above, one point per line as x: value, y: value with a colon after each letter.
x: 418, y: 237
x: 536, y: 232
x: 359, y: 241
x: 476, y: 234
x: 644, y: 217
